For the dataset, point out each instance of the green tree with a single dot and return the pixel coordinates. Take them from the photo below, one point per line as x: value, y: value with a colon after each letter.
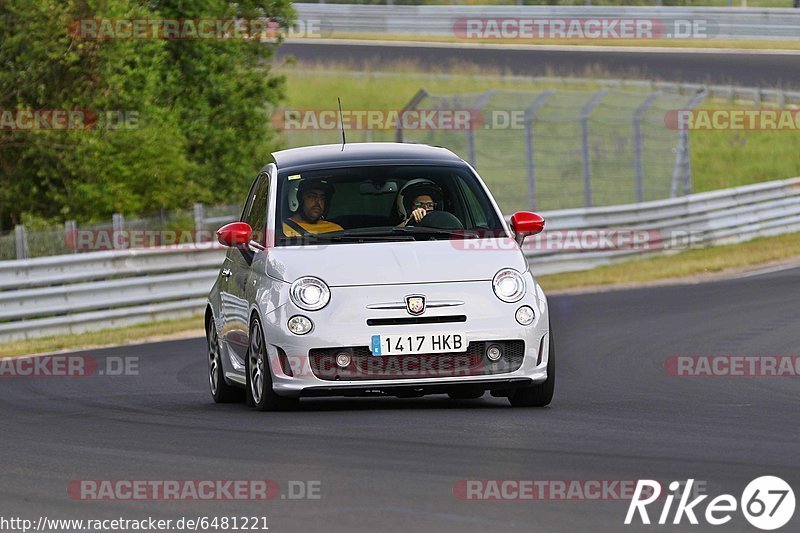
x: 200, y: 107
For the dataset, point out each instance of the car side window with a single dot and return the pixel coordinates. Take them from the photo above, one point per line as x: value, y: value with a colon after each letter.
x: 256, y: 216
x: 248, y: 201
x: 476, y: 210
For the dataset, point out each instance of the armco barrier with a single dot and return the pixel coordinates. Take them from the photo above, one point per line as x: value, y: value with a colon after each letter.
x: 76, y: 293
x: 83, y: 292
x: 439, y: 20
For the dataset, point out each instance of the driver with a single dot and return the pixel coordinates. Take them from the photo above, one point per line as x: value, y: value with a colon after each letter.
x: 314, y: 199
x: 416, y: 199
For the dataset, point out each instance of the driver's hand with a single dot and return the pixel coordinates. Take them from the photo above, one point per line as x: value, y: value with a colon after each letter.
x: 418, y: 214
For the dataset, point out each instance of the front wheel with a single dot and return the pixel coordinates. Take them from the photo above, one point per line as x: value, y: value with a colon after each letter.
x: 220, y: 390
x: 259, y: 377
x: 541, y: 394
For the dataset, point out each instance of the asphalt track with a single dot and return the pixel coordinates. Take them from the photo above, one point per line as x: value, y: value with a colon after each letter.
x: 391, y: 465
x: 746, y: 69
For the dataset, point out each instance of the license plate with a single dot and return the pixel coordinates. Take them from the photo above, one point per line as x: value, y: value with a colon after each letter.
x: 415, y: 344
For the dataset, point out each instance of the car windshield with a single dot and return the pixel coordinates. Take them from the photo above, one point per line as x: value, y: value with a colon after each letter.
x: 383, y: 203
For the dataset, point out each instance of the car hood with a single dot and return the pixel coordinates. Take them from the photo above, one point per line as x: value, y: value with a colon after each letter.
x: 388, y: 263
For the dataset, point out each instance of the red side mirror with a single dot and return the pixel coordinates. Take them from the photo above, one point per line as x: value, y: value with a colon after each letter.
x: 525, y: 223
x: 236, y: 234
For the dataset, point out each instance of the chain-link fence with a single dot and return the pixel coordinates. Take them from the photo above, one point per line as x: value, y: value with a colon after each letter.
x: 562, y: 149
x: 549, y: 149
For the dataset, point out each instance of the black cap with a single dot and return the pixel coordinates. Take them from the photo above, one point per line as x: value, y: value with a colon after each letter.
x: 315, y: 183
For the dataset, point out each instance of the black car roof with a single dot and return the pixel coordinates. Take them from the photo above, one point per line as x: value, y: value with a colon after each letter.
x: 363, y: 153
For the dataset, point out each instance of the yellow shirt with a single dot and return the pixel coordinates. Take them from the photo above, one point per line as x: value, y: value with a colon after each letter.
x: 322, y: 226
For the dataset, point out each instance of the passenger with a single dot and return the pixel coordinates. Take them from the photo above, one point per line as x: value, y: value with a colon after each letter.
x: 314, y: 199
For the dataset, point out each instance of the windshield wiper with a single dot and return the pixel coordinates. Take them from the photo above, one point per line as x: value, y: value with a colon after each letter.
x: 340, y: 237
x: 409, y: 232
x: 423, y: 230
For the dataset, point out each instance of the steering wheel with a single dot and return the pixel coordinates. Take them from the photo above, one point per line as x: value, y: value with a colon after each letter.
x: 440, y: 220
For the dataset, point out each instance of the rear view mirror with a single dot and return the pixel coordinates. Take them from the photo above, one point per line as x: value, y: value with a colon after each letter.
x: 525, y: 223
x: 377, y: 187
x: 235, y: 234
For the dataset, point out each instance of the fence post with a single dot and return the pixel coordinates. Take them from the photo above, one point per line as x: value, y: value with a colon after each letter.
x: 638, y: 143
x: 71, y: 235
x: 682, y: 170
x: 530, y: 116
x: 471, y: 150
x: 199, y: 217
x: 199, y: 222
x: 587, y: 163
x: 687, y: 167
x: 21, y: 241
x: 117, y: 227
x: 412, y: 104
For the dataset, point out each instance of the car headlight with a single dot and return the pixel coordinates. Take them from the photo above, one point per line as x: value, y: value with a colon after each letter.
x: 508, y: 285
x: 311, y: 294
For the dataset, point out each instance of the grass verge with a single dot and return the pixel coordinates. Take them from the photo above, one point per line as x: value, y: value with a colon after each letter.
x: 688, y: 264
x: 182, y: 327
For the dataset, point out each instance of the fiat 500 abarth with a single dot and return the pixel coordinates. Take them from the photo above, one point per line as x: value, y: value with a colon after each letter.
x: 376, y: 269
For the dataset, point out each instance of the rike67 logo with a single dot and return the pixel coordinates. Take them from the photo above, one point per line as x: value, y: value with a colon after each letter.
x: 767, y: 503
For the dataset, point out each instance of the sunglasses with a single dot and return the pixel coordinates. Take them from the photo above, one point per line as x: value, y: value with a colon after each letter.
x: 426, y: 205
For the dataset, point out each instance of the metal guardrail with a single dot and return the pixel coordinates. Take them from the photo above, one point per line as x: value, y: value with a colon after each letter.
x: 76, y: 293
x: 83, y: 292
x: 698, y: 220
x: 440, y: 20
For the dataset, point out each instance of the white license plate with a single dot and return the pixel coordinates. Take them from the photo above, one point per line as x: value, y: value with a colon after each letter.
x: 414, y: 344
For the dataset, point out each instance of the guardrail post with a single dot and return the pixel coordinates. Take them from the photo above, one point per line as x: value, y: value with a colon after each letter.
x: 530, y: 116
x: 21, y: 241
x: 587, y: 163
x: 638, y: 143
x: 117, y: 227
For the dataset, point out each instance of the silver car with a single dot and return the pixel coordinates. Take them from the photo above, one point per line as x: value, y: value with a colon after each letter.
x: 376, y: 269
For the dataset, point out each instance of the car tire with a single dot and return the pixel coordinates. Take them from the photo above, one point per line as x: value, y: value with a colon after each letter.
x: 541, y: 394
x: 259, y: 376
x: 221, y: 391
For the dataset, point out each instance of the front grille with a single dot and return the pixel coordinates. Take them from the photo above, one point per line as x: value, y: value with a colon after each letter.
x: 415, y: 320
x: 365, y: 366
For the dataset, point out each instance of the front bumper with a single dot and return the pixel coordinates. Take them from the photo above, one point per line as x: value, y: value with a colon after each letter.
x: 344, y: 324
